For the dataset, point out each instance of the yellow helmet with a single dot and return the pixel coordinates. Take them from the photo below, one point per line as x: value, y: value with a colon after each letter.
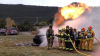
x: 63, y: 29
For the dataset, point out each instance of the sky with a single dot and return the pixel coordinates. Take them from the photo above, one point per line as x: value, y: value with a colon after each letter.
x: 59, y: 3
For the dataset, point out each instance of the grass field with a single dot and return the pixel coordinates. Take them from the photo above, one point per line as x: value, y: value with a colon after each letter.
x: 8, y: 48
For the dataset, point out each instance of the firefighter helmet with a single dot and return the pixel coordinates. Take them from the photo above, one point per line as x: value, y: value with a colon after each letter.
x: 70, y: 28
x: 90, y: 27
x: 63, y: 29
x: 83, y: 29
x: 50, y: 26
x: 67, y: 26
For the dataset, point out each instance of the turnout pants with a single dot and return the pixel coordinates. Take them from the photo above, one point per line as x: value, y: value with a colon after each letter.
x: 84, y: 44
x: 80, y: 45
x: 70, y: 46
x: 50, y: 42
x: 89, y: 45
x: 60, y: 43
x: 67, y: 44
x: 63, y: 43
x: 77, y: 42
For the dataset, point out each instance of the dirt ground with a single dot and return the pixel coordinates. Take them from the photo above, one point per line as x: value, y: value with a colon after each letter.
x: 8, y: 48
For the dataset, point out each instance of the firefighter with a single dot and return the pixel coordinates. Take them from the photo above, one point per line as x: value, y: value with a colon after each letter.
x: 67, y: 38
x: 59, y: 35
x: 76, y: 38
x: 67, y: 29
x: 63, y: 38
x: 67, y: 41
x: 71, y: 33
x: 83, y: 39
x: 50, y: 37
x: 90, y: 38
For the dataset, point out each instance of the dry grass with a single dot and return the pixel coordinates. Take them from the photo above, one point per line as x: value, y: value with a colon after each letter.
x: 8, y: 48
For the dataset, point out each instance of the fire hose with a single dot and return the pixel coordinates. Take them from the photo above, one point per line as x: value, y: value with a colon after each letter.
x: 77, y: 50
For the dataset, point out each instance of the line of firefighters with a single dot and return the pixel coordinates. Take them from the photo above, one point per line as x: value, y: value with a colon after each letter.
x: 82, y: 39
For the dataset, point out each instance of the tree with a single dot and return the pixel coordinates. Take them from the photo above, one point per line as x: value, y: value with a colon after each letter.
x: 43, y: 23
x: 25, y: 26
x: 10, y: 22
x: 2, y: 23
x: 50, y: 20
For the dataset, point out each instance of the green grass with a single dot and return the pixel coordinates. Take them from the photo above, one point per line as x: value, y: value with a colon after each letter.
x: 33, y: 51
x: 8, y: 48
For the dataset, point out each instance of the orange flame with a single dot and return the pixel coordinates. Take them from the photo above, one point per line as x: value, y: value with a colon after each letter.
x: 73, y: 11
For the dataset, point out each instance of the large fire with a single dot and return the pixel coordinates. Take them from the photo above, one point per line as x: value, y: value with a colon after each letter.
x: 71, y: 11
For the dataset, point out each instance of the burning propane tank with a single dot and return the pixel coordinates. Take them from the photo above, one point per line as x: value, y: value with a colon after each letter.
x: 37, y: 40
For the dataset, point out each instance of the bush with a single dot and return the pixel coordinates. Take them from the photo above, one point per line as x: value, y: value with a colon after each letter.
x: 43, y: 23
x: 26, y: 26
x: 2, y: 23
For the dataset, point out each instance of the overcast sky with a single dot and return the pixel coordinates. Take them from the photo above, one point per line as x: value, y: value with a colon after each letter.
x: 50, y: 2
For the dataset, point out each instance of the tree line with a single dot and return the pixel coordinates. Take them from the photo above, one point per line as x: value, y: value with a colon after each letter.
x: 25, y: 26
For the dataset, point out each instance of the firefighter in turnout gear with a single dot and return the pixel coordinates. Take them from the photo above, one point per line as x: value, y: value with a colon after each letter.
x: 63, y: 38
x: 90, y: 38
x: 67, y: 41
x: 71, y: 33
x: 83, y: 39
x: 78, y: 40
x: 80, y: 35
x: 60, y: 41
x: 50, y: 37
x: 67, y: 38
x: 67, y: 29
